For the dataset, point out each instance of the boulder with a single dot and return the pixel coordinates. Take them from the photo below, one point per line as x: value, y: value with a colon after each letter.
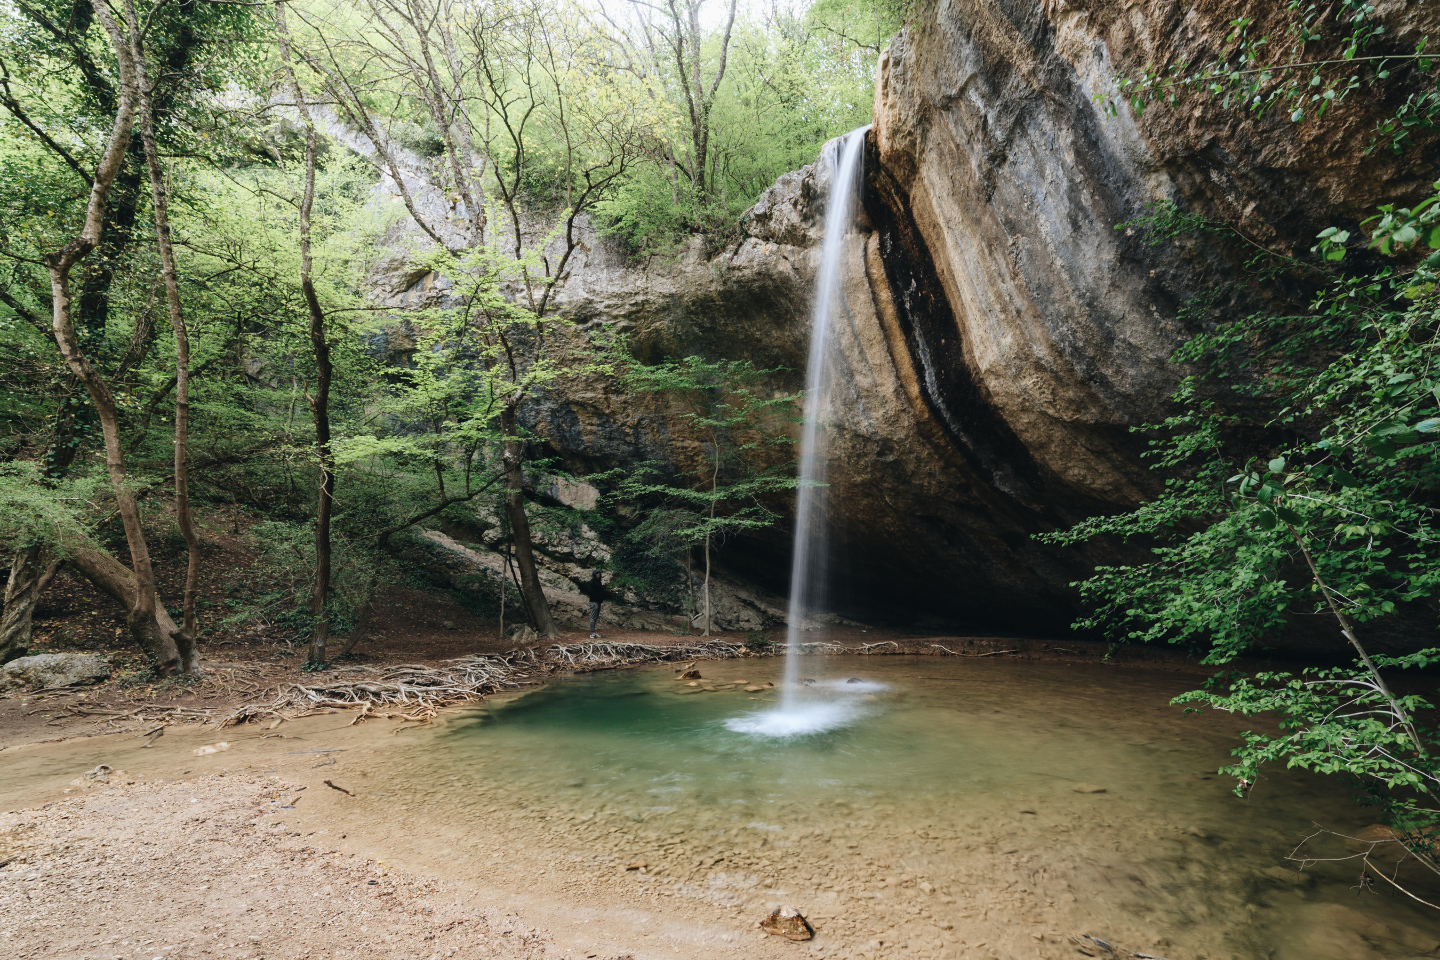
x: 46, y: 670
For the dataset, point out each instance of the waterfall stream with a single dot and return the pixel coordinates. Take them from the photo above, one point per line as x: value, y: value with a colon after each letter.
x: 799, y: 714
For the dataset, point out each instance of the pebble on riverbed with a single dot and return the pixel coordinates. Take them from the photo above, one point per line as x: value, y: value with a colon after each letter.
x: 787, y: 922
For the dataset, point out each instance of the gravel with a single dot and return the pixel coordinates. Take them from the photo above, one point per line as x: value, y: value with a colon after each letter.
x: 140, y: 871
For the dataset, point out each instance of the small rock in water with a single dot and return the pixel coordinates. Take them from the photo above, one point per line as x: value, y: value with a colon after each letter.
x: 690, y: 675
x: 753, y: 689
x: 807, y: 681
x: 854, y: 680
x: 768, y: 684
x: 638, y: 865
x: 787, y: 922
x: 211, y: 748
x: 1088, y: 788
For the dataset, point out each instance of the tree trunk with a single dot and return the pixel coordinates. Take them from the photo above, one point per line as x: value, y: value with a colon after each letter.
x: 1349, y: 633
x: 320, y: 403
x: 187, y: 637
x: 320, y: 408
x: 27, y: 580
x: 531, y: 591
x: 113, y: 579
x: 144, y: 613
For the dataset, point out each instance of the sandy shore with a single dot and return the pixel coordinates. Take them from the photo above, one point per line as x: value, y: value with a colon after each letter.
x: 200, y: 868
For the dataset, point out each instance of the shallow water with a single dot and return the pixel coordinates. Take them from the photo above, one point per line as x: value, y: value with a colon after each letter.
x: 954, y: 809
x: 940, y: 817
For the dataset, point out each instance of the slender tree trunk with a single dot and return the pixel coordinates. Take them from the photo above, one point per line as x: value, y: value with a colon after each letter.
x: 1349, y: 633
x: 144, y: 614
x: 707, y: 576
x: 531, y: 591
x: 187, y: 637
x: 320, y: 403
x: 503, y: 590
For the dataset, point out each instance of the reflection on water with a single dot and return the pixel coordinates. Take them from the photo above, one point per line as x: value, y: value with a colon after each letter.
x: 962, y: 808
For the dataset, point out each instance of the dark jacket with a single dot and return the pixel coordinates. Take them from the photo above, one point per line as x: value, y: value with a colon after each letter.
x: 594, y: 589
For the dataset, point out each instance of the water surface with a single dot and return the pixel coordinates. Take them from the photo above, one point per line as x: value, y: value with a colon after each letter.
x: 960, y: 808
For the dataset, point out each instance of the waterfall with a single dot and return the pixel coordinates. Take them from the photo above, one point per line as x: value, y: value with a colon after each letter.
x: 831, y: 705
x: 841, y: 705
x: 807, y: 565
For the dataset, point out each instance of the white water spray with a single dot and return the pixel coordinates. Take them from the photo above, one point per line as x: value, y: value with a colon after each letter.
x: 807, y: 566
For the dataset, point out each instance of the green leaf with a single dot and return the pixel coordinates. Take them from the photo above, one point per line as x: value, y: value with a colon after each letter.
x: 1277, y: 465
x: 1428, y: 426
x: 1266, y: 520
x: 1432, y: 239
x: 1289, y: 516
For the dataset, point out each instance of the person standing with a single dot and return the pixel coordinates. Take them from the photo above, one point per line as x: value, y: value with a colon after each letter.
x: 594, y: 588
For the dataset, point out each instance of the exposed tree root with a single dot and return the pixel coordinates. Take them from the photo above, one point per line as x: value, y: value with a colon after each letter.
x: 417, y: 693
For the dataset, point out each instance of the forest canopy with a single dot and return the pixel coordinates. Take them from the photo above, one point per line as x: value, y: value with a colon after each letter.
x: 202, y: 196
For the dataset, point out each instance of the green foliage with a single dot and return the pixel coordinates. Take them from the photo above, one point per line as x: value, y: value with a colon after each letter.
x: 1325, y: 504
x: 277, y: 588
x: 35, y: 511
x: 795, y: 79
x: 740, y: 428
x: 1324, y: 55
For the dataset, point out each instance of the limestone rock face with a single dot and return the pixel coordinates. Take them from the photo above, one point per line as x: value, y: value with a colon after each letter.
x: 47, y: 670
